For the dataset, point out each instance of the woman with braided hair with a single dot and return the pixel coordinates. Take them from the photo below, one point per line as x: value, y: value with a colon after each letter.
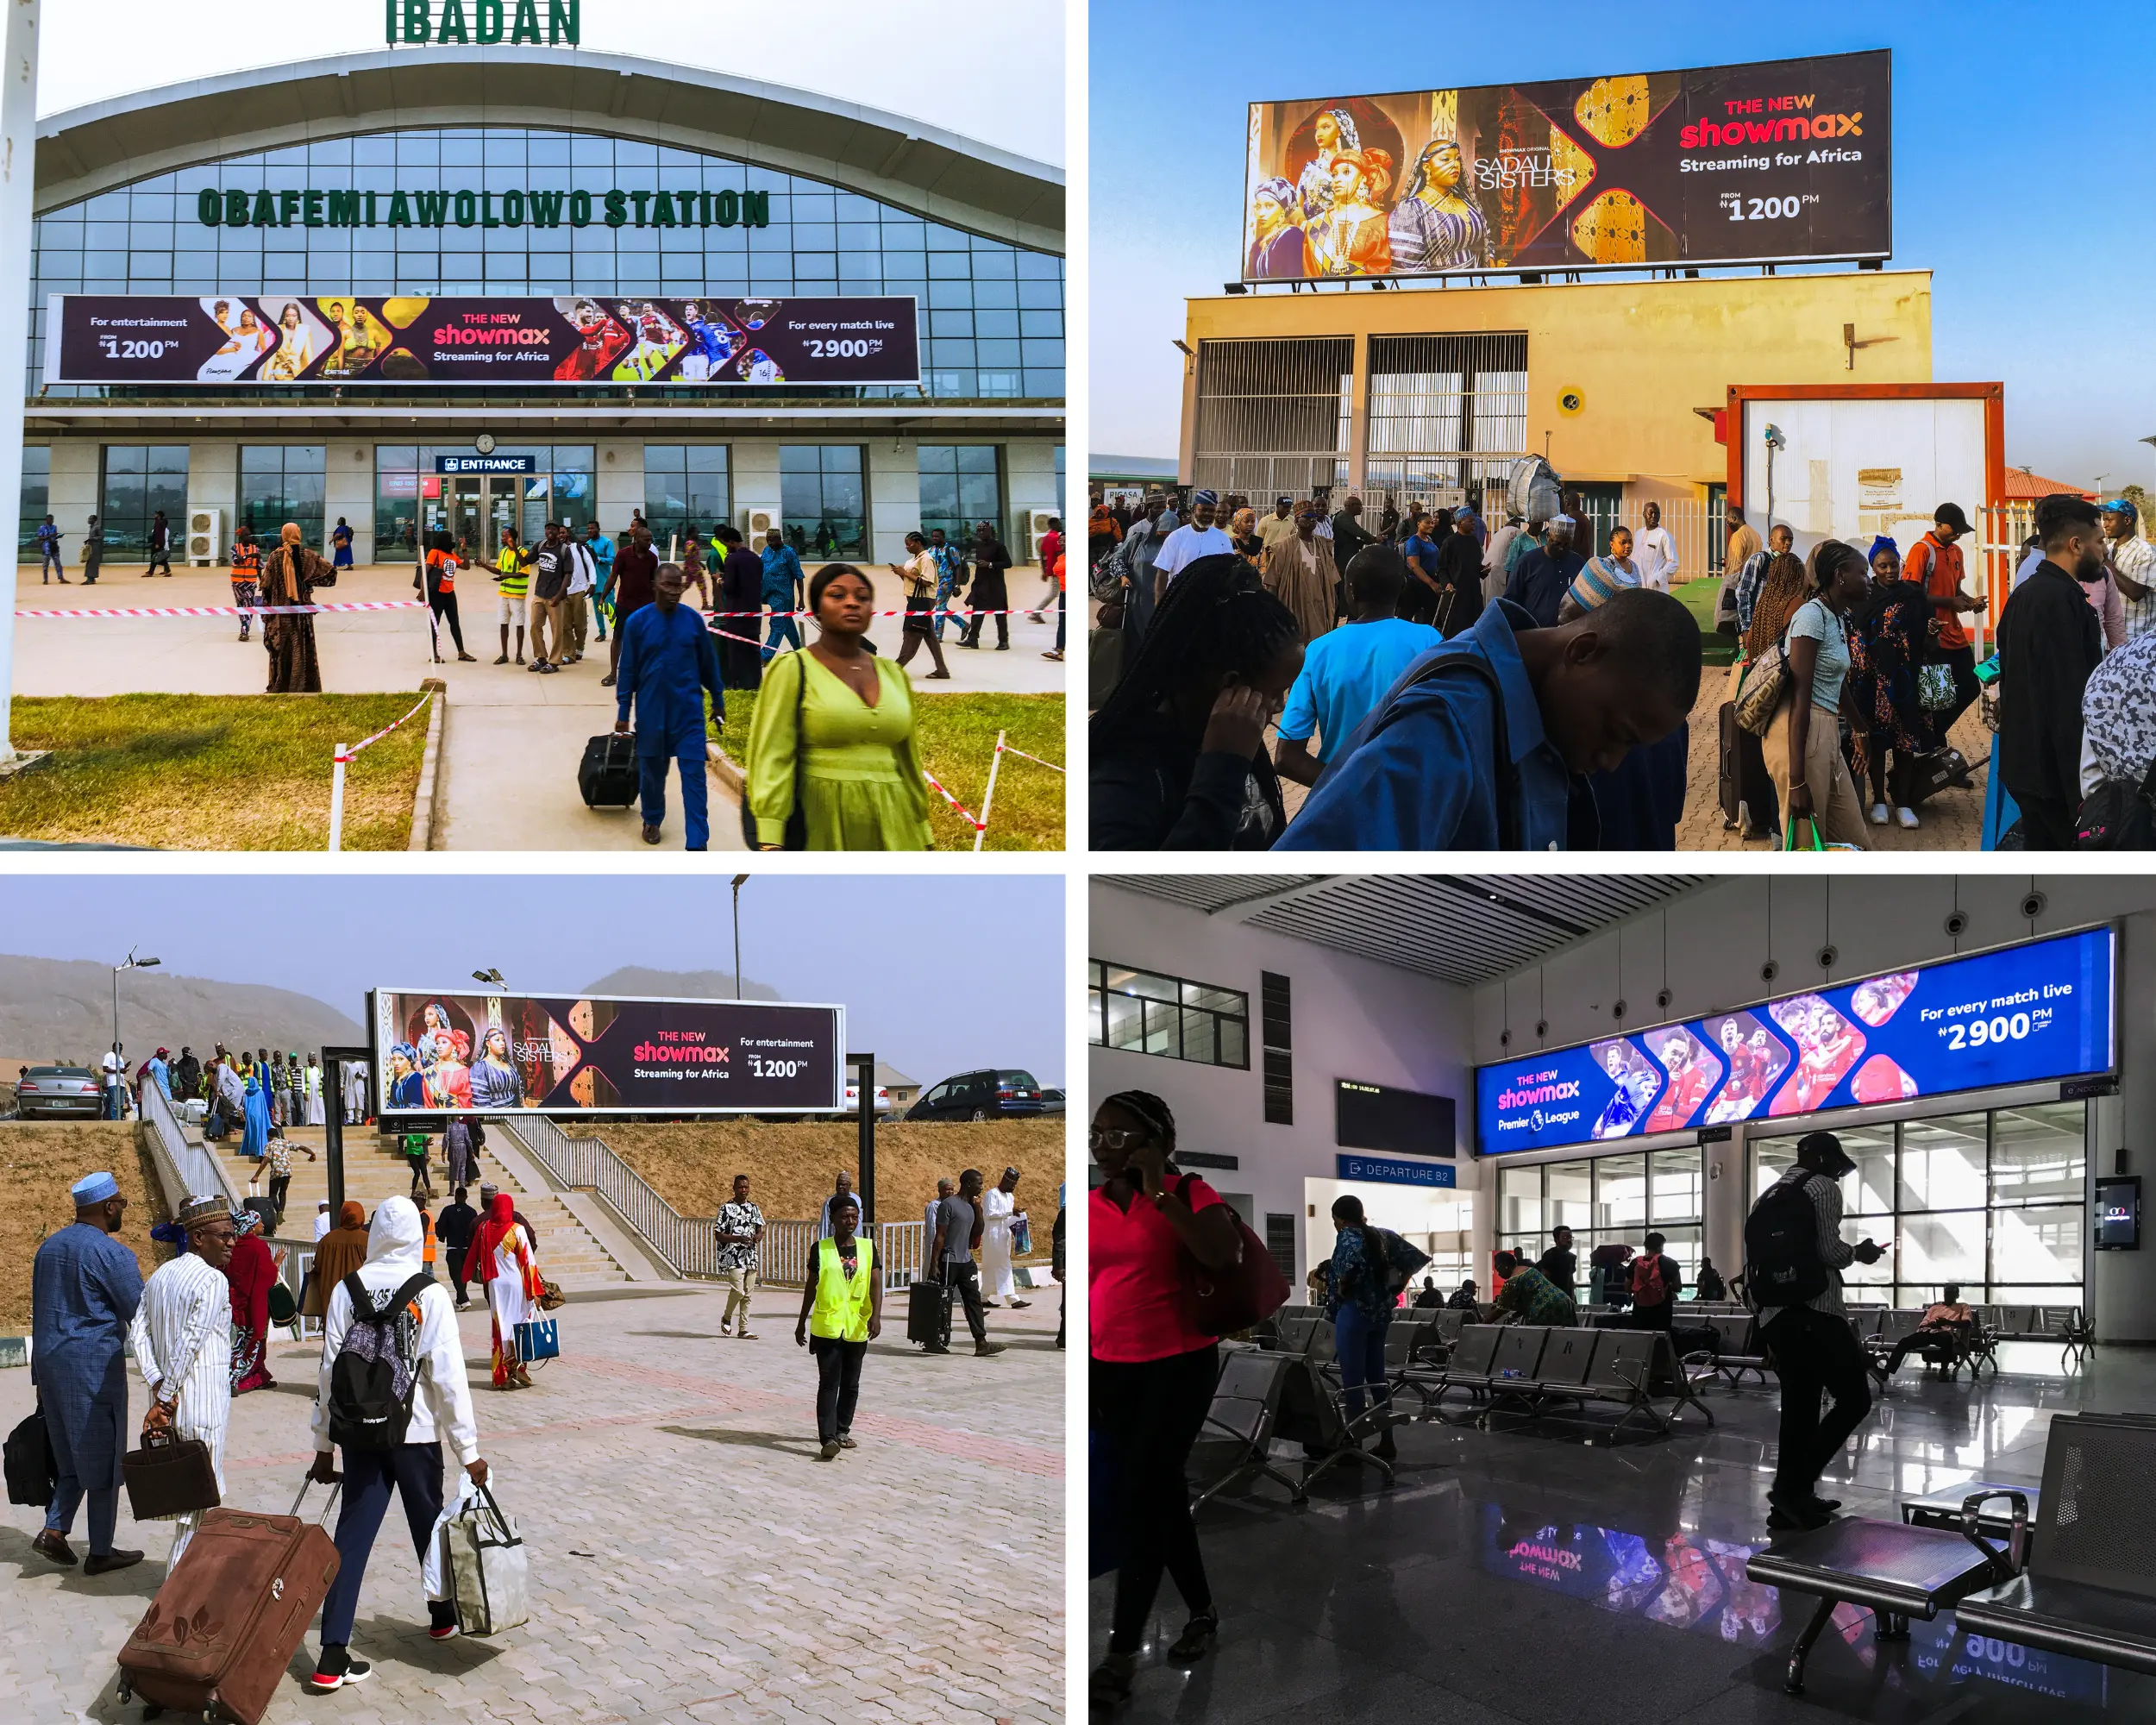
x: 1178, y: 757
x: 1151, y: 1374
x: 1804, y: 744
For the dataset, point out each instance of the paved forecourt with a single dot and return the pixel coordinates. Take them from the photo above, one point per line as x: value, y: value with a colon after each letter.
x: 690, y: 1557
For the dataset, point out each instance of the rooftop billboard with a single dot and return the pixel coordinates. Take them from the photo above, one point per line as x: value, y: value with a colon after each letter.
x: 2022, y: 1015
x: 445, y: 1051
x: 1776, y: 161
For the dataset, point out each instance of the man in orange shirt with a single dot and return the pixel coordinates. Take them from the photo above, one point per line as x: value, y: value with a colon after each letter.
x: 1936, y: 560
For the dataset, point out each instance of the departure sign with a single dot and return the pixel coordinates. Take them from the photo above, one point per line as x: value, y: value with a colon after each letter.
x: 2021, y: 1015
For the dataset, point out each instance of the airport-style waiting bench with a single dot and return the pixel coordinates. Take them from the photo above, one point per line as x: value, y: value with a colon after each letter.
x: 2063, y: 1326
x: 1532, y: 1368
x: 1737, y: 1350
x: 2074, y: 1580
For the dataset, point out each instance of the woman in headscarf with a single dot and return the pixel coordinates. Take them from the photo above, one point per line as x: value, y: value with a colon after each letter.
x: 450, y: 1084
x: 1351, y: 237
x: 1276, y: 232
x: 1103, y: 533
x: 492, y: 1078
x: 501, y: 1253
x: 1333, y: 132
x: 250, y: 1271
x: 289, y: 575
x: 1886, y: 643
x: 1299, y: 572
x: 1242, y: 532
x: 337, y: 1254
x: 255, y: 1144
x: 407, y: 1087
x: 1437, y: 224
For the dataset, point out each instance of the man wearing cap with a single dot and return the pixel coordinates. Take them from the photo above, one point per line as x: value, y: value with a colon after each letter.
x: 1280, y: 525
x: 1546, y: 574
x: 1197, y: 537
x: 2133, y: 562
x: 1935, y: 561
x: 1814, y: 1349
x: 85, y: 1289
x: 162, y: 1071
x: 182, y: 1342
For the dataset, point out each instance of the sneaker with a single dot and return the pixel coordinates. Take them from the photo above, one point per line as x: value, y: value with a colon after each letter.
x: 829, y: 1452
x: 335, y: 1669
x: 443, y: 1616
x: 985, y: 1349
x: 1907, y: 817
x: 1878, y: 814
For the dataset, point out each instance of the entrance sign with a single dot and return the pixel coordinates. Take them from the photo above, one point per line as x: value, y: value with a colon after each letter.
x: 1390, y: 1170
x: 1772, y: 162
x: 2023, y: 1015
x: 227, y: 340
x: 499, y: 1053
x: 487, y: 464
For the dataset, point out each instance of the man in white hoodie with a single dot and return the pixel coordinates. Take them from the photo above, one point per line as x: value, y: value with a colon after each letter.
x: 429, y: 1358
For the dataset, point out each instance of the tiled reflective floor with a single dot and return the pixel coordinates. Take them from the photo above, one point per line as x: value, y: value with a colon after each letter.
x: 1528, y: 1575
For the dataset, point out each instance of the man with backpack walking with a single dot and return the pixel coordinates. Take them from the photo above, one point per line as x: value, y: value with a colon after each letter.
x: 1794, y: 1258
x: 391, y: 1393
x: 1656, y: 1280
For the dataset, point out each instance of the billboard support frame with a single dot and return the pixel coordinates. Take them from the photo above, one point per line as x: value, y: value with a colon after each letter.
x: 864, y: 1067
x: 334, y: 1060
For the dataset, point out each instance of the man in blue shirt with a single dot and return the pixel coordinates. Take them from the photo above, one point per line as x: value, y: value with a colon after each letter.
x: 602, y: 550
x: 1424, y: 586
x: 782, y: 588
x: 1346, y: 671
x: 1426, y: 770
x: 1546, y: 574
x: 48, y: 553
x: 666, y: 663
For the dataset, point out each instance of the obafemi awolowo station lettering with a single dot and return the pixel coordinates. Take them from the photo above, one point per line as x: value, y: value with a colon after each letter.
x: 321, y: 207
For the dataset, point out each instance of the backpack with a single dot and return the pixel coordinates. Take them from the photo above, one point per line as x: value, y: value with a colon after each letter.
x: 1401, y: 1260
x: 371, y: 1383
x: 2119, y: 815
x: 1783, y: 1266
x: 1648, y: 1288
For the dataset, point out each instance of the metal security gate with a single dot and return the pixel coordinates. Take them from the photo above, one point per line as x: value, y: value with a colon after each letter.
x: 1448, y: 415
x: 1273, y: 415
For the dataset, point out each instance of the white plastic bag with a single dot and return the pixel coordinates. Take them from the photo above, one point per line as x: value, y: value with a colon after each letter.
x: 477, y: 1560
x: 431, y: 1567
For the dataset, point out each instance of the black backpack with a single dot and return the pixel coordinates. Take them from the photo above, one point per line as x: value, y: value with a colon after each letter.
x: 371, y: 1383
x: 2119, y: 815
x: 1783, y: 1266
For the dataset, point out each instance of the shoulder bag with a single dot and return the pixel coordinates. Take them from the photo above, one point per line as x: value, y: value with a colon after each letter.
x: 1224, y: 1302
x: 796, y: 837
x: 1761, y: 688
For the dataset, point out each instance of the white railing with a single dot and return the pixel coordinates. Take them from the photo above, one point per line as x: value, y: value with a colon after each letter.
x: 193, y: 1166
x: 687, y: 1242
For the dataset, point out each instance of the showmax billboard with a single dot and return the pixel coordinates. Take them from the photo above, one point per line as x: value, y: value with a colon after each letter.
x: 234, y: 340
x: 1774, y: 161
x: 2022, y: 1015
x: 450, y: 1051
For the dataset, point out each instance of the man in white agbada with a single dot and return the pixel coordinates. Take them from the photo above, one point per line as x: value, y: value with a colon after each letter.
x: 998, y: 1211
x: 182, y: 1342
x: 427, y: 1345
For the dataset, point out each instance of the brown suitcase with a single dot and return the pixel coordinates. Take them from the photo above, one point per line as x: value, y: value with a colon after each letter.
x: 218, y: 1636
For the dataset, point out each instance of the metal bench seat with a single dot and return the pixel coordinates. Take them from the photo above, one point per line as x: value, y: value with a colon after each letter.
x: 1235, y: 1441
x: 1894, y: 1570
x: 2067, y: 1617
x: 1945, y: 1508
x: 1736, y: 1351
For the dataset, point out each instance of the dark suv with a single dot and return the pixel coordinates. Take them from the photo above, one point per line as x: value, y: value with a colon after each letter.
x: 980, y: 1096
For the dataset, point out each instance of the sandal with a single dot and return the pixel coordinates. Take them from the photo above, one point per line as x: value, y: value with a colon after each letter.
x: 1196, y: 1640
x: 1111, y: 1685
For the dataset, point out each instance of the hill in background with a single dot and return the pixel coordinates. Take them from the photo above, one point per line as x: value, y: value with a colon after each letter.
x: 62, y: 1008
x: 678, y: 985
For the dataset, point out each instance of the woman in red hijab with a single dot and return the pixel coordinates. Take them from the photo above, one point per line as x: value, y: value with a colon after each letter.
x: 501, y: 1257
x: 251, y: 1269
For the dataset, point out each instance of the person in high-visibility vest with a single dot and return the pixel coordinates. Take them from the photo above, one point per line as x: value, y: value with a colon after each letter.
x: 841, y: 1312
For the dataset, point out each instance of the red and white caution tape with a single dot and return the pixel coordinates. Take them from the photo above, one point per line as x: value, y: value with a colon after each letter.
x: 964, y: 813
x: 995, y: 766
x: 127, y: 610
x: 345, y: 752
x: 1023, y: 755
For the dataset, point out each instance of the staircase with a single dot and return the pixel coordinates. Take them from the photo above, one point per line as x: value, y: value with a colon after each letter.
x: 568, y: 1252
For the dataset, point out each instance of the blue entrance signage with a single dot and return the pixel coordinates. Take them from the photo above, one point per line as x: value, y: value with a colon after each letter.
x: 1391, y: 1170
x: 487, y: 464
x: 2024, y: 1015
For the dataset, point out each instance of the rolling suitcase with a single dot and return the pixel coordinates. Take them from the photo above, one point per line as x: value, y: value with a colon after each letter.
x: 1745, y: 789
x: 217, y: 1637
x: 607, y: 774
x: 1912, y: 778
x: 928, y: 1313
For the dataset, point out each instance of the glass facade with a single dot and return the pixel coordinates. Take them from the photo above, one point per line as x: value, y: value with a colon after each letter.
x: 37, y: 479
x: 822, y: 499
x: 1169, y: 1015
x: 1607, y: 1201
x: 280, y: 482
x: 139, y: 480
x: 960, y: 487
x: 685, y: 485
x: 991, y: 313
x: 1994, y: 1201
x: 410, y: 497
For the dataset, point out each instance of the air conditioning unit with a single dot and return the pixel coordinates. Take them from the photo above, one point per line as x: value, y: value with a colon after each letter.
x: 758, y: 522
x: 1037, y: 529
x: 205, y: 536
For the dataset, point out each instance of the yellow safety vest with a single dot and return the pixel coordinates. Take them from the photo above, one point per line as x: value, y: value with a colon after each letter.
x: 842, y: 1305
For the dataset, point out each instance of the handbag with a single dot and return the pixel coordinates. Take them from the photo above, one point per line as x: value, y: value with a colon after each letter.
x: 169, y: 1476
x: 478, y: 1561
x: 1224, y: 1302
x: 29, y: 1462
x: 1788, y: 841
x: 1934, y: 687
x: 551, y: 1298
x: 796, y: 818
x: 1760, y: 689
x: 538, y: 1339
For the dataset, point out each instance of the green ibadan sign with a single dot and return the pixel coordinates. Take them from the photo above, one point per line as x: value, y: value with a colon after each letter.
x: 319, y: 209
x: 416, y: 24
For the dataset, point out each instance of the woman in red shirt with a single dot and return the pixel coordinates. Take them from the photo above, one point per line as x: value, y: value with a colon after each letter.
x: 1151, y: 1373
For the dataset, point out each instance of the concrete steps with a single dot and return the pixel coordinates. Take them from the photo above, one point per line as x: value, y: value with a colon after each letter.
x: 568, y: 1252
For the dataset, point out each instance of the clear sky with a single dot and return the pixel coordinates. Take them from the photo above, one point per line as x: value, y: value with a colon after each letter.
x: 2024, y: 148
x: 937, y: 974
x: 971, y: 66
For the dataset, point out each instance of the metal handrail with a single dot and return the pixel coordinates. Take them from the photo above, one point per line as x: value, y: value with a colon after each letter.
x: 195, y: 1166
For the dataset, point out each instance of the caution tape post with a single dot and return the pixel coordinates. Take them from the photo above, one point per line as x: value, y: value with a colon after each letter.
x: 987, y: 801
x: 343, y: 758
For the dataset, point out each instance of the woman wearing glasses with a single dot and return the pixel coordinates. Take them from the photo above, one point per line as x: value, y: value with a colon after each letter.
x: 1152, y: 1374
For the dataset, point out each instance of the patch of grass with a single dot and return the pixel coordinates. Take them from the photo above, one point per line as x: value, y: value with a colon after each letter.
x: 1699, y: 597
x: 212, y: 772
x: 957, y: 739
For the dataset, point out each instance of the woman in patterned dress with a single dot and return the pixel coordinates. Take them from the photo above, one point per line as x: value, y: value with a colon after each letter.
x: 503, y: 1256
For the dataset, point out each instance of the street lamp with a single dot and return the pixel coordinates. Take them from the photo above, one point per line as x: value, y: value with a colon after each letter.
x: 133, y: 963
x: 493, y: 976
x: 738, y: 881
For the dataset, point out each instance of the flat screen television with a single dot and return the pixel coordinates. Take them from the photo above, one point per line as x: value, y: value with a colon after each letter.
x: 2118, y: 1213
x: 1377, y: 1117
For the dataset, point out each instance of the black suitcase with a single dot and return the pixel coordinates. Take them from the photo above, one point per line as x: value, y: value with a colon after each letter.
x: 928, y: 1313
x: 1912, y: 778
x: 607, y: 774
x: 1744, y: 777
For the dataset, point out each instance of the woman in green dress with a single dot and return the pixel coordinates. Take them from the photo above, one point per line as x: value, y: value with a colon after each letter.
x: 833, y: 732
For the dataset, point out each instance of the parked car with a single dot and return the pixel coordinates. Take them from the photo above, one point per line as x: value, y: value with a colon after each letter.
x: 59, y: 1092
x: 1004, y: 1093
x: 1051, y: 1102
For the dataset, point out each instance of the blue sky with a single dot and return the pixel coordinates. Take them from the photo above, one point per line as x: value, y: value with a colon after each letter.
x: 2024, y: 147
x: 937, y: 974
